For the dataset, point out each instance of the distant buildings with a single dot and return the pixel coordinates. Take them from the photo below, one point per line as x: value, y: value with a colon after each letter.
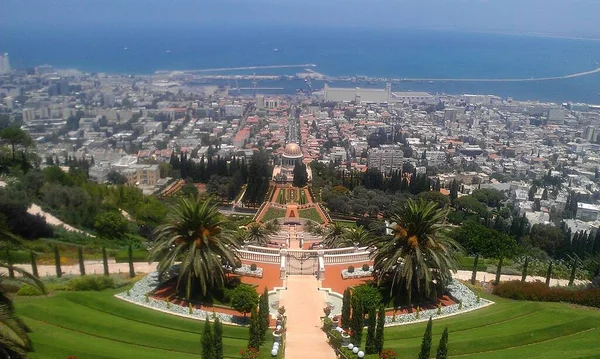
x: 358, y: 94
x: 4, y: 64
x: 386, y: 158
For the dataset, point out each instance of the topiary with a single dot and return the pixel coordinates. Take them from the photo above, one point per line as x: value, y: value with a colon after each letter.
x: 253, y: 267
x: 28, y: 291
x: 350, y: 269
x: 365, y: 267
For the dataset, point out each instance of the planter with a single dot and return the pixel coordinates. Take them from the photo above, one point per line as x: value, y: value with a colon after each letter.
x: 277, y: 337
x: 336, y: 323
x: 345, y: 339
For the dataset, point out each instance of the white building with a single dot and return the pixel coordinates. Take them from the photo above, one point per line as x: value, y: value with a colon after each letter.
x: 587, y: 212
x: 386, y: 158
x: 4, y: 64
x: 358, y: 94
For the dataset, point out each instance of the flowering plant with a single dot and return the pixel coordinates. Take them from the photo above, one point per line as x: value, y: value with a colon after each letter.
x: 387, y: 354
x: 250, y: 353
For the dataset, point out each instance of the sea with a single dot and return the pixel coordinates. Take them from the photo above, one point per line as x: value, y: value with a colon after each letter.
x: 390, y: 53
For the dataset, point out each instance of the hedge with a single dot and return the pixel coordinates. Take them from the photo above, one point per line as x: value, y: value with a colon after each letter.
x: 538, y: 291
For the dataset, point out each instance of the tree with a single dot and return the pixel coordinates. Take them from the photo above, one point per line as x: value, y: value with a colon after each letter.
x: 368, y: 295
x: 244, y: 298
x: 476, y: 239
x: 189, y: 190
x: 442, y: 351
x: 263, y: 313
x: 194, y: 234
x: 356, y: 235
x: 254, y: 330
x: 208, y: 345
x: 34, y: 269
x: 111, y: 225
x: 130, y: 260
x: 346, y: 309
x: 440, y: 199
x: 379, y: 331
x: 218, y: 338
x: 547, y: 237
x: 335, y: 231
x: 57, y: 262
x: 116, y: 178
x: 453, y: 191
x: 14, y: 339
x: 300, y: 174
x: 81, y: 261
x: 426, y: 343
x: 503, y: 247
x: 357, y: 321
x: 257, y: 234
x: 371, y: 345
x: 15, y: 136
x: 373, y: 179
x: 420, y: 244
x: 105, y: 261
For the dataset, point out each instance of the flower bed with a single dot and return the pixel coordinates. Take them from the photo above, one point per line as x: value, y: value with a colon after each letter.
x: 357, y: 273
x: 465, y: 298
x: 247, y: 271
x: 139, y: 294
x: 538, y: 291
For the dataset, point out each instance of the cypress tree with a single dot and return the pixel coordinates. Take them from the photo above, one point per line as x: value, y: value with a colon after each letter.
x: 549, y: 274
x: 105, y: 261
x: 254, y: 330
x: 208, y: 348
x: 370, y: 345
x: 426, y: 343
x: 34, y: 269
x: 130, y: 255
x: 11, y: 272
x: 57, y: 262
x: 218, y: 338
x: 346, y: 309
x: 379, y: 332
x: 357, y: 321
x: 525, y: 265
x: 263, y: 314
x: 442, y: 351
x: 81, y: 263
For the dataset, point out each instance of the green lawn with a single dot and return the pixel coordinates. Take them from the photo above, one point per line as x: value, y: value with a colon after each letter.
x: 508, y: 329
x: 273, y: 213
x: 345, y: 223
x: 310, y: 213
x: 97, y: 325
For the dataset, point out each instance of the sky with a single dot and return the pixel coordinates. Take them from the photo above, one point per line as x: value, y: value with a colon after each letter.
x: 558, y: 17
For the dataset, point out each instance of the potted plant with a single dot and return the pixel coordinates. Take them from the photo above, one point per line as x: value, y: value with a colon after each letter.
x: 280, y: 316
x: 345, y: 339
x: 327, y: 311
x: 336, y: 321
x: 277, y: 334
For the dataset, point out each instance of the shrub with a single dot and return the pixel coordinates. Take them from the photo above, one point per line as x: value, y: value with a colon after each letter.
x: 350, y: 269
x: 368, y: 295
x: 244, y: 298
x: 90, y: 283
x: 335, y: 339
x: 538, y: 291
x: 253, y: 267
x: 327, y: 324
x: 28, y: 291
x: 365, y: 267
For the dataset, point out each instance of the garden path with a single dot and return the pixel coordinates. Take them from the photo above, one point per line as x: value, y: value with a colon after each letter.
x: 304, y: 305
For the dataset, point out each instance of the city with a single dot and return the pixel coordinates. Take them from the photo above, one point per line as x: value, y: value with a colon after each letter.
x: 245, y: 215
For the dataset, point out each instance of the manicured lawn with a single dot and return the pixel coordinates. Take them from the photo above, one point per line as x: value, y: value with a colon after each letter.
x: 345, y: 223
x: 97, y: 325
x: 508, y: 329
x: 310, y: 213
x: 273, y: 213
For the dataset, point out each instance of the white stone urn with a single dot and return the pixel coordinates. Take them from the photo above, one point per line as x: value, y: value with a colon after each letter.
x: 277, y: 336
x: 345, y: 339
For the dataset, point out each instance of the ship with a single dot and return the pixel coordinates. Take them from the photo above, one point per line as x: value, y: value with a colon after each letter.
x: 275, y: 50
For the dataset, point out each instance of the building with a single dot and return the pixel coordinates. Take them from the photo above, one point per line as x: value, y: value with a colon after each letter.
x: 556, y: 116
x: 4, y: 64
x: 386, y: 158
x: 587, y: 212
x: 234, y: 110
x: 292, y: 154
x: 358, y: 94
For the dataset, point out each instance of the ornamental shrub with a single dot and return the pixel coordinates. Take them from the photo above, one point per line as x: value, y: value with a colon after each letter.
x: 368, y: 295
x: 253, y: 267
x: 426, y: 343
x: 244, y: 298
x: 89, y: 282
x: 537, y: 291
x: 365, y: 267
x: 350, y: 269
x: 335, y: 339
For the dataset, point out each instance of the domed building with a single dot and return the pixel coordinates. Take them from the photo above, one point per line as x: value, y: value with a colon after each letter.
x: 291, y: 154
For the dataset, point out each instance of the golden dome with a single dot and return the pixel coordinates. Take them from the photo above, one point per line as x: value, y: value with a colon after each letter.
x: 292, y: 150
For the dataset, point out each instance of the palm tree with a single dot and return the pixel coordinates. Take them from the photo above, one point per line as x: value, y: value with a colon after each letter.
x: 359, y: 235
x: 334, y: 232
x: 194, y: 234
x: 257, y: 233
x: 419, y: 255
x: 272, y: 227
x: 14, y: 338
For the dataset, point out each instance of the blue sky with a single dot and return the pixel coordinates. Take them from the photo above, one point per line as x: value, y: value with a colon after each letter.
x: 566, y: 17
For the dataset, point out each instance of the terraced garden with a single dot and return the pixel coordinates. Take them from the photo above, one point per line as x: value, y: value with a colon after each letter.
x: 291, y: 195
x: 273, y: 213
x: 509, y: 329
x: 97, y: 325
x: 310, y: 213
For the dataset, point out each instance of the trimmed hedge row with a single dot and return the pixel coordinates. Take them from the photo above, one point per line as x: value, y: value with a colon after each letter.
x: 538, y: 291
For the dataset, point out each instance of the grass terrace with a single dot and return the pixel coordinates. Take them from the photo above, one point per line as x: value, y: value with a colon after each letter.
x: 310, y: 213
x: 94, y: 325
x: 508, y: 329
x: 273, y: 213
